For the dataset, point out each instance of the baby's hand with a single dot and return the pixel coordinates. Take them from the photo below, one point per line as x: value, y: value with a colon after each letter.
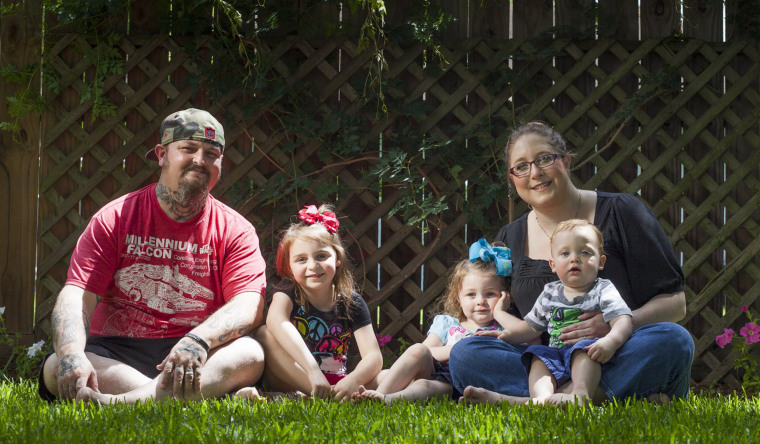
x: 601, y: 351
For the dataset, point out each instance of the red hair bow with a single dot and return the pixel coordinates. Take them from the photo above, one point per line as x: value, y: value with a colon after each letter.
x: 311, y: 216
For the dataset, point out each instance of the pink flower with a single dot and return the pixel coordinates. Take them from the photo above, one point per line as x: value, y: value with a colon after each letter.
x: 725, y: 338
x: 382, y: 340
x: 744, y: 308
x: 751, y: 333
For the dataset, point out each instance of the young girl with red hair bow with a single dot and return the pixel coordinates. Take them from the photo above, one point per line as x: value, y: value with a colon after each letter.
x: 313, y: 314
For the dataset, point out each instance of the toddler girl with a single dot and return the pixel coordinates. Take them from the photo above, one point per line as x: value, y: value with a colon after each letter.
x: 313, y: 314
x: 470, y: 305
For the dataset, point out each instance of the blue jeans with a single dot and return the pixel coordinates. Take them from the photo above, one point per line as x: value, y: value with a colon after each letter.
x: 656, y: 359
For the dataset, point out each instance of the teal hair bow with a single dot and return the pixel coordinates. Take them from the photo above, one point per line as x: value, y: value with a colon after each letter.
x: 500, y: 256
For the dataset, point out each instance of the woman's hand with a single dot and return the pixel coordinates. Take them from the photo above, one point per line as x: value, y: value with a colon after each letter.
x: 591, y: 325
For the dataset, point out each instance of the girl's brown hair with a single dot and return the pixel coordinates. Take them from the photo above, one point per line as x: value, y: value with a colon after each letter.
x: 450, y: 301
x: 344, y: 283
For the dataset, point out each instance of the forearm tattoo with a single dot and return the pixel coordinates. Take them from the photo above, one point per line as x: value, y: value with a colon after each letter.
x: 86, y: 321
x: 65, y: 328
x: 182, y: 207
x: 229, y: 322
x: 69, y: 363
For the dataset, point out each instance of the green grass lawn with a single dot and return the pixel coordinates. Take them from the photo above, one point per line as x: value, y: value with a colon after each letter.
x: 25, y: 418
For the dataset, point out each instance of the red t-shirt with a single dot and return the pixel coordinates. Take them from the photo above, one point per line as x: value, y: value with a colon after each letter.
x: 158, y: 278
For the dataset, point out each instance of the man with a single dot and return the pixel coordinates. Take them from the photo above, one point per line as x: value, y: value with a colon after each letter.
x: 163, y: 286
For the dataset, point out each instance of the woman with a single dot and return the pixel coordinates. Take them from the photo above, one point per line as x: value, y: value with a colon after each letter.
x: 656, y: 362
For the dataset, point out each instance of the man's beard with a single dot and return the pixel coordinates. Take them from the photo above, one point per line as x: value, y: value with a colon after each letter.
x: 191, y: 190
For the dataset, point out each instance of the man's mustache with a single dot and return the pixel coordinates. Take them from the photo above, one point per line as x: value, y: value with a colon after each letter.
x: 198, y: 169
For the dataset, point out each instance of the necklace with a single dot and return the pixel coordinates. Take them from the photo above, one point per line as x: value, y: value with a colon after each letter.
x: 577, y: 213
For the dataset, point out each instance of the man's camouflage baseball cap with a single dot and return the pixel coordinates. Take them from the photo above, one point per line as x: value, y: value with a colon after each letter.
x: 190, y: 124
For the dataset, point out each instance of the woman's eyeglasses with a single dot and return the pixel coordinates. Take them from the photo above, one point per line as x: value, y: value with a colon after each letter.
x: 545, y: 161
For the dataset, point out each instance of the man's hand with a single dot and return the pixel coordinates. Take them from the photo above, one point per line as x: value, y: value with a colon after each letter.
x: 183, y: 367
x: 74, y: 372
x: 591, y: 325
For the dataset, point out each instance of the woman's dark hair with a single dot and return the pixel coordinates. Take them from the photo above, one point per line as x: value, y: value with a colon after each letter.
x: 540, y: 129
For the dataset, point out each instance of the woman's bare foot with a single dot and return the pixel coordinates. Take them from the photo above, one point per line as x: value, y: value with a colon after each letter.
x: 659, y: 398
x: 368, y: 395
x: 537, y: 401
x: 477, y: 395
x: 563, y: 399
x: 85, y: 395
x: 250, y: 394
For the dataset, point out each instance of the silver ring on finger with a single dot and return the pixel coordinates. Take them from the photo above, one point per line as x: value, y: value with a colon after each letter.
x: 189, y: 375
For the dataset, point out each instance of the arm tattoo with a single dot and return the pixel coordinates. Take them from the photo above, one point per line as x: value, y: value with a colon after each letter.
x: 86, y: 320
x: 65, y: 328
x: 227, y: 323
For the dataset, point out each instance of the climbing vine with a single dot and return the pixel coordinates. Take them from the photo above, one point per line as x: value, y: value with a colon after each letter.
x: 397, y: 156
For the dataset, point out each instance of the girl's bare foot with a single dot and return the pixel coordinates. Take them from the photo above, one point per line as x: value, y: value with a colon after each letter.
x: 250, y: 394
x: 367, y: 395
x: 279, y: 396
x: 477, y: 395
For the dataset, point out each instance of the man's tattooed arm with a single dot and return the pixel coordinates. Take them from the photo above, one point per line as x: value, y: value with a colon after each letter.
x: 239, y: 316
x: 71, y: 321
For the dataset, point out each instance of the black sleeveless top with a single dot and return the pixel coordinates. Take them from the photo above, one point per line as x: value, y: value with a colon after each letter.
x: 640, y: 260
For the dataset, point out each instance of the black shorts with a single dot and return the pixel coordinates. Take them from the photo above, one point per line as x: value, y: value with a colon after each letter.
x: 139, y: 353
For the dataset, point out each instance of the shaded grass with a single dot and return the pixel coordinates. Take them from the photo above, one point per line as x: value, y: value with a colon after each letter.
x: 25, y: 418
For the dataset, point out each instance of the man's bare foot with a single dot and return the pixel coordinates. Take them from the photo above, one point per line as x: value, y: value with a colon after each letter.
x: 250, y: 394
x: 86, y: 395
x: 659, y: 398
x: 368, y: 395
x: 563, y: 399
x: 477, y: 395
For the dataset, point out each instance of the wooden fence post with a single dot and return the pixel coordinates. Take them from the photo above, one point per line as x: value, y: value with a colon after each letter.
x: 20, y: 46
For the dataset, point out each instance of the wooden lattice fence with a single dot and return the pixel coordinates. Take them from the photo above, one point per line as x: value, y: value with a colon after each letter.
x: 672, y: 120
